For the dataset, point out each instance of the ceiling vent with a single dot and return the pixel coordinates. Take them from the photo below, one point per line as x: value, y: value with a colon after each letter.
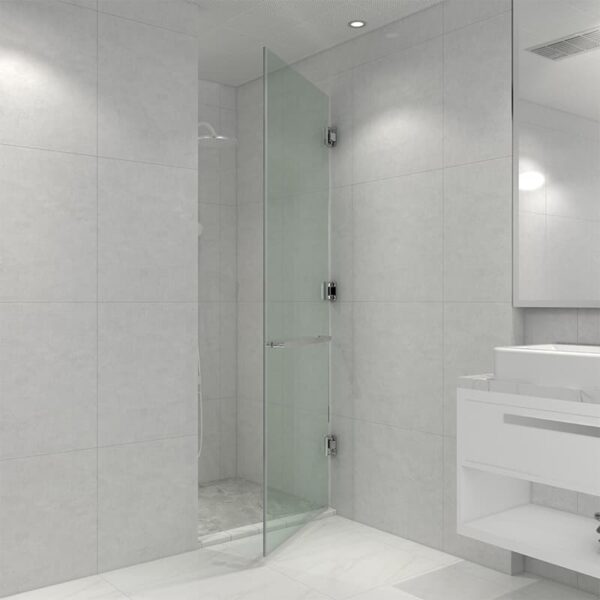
x: 571, y: 45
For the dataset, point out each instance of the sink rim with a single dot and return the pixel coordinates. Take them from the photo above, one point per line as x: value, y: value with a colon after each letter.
x: 554, y: 349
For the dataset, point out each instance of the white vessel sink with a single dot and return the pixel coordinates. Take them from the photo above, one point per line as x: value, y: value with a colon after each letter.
x: 553, y: 365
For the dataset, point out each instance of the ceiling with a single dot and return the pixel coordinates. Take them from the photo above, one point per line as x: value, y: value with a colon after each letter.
x: 571, y: 84
x: 233, y: 32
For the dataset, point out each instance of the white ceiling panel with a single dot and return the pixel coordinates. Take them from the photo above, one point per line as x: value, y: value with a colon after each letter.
x: 294, y: 29
x: 231, y: 33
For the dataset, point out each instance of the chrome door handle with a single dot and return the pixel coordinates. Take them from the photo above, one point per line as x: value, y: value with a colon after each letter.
x: 297, y: 342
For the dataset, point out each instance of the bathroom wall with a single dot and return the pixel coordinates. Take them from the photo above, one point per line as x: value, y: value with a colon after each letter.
x: 98, y: 290
x: 421, y: 250
x: 421, y: 219
x: 217, y: 285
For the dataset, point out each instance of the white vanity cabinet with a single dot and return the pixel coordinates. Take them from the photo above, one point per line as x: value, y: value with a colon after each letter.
x: 508, y: 441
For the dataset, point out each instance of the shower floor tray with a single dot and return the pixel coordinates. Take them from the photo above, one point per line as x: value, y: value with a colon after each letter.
x: 231, y: 509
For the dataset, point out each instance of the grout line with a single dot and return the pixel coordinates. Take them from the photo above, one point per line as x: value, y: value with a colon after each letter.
x: 443, y: 349
x: 389, y: 425
x: 118, y: 589
x: 183, y: 302
x: 478, y: 21
x: 299, y: 302
x: 411, y: 173
x: 97, y: 291
x: 97, y: 156
x: 100, y: 446
x: 191, y: 36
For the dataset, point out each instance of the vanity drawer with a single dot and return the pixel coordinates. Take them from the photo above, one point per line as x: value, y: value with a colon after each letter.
x: 517, y: 438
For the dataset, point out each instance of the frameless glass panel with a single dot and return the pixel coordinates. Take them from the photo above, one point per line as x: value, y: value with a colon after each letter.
x: 296, y: 316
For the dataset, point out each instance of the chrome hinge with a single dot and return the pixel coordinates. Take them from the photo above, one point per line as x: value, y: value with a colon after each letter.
x: 330, y: 137
x: 330, y: 291
x: 330, y: 445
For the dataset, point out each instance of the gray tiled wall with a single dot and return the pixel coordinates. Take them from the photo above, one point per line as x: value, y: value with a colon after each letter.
x: 217, y: 285
x: 421, y: 250
x: 421, y: 236
x: 98, y: 291
x: 250, y: 269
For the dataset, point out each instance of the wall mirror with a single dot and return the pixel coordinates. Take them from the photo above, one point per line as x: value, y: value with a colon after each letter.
x: 556, y: 87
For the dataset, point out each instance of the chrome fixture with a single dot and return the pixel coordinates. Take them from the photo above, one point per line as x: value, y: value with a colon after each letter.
x: 331, y: 137
x: 298, y: 342
x: 213, y: 138
x: 331, y: 445
x: 330, y: 291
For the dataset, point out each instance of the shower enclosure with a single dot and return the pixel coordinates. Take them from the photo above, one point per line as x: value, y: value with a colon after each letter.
x: 280, y: 478
x: 296, y: 312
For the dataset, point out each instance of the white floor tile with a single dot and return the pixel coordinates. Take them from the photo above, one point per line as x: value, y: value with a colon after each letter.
x: 329, y: 559
x: 464, y: 581
x: 547, y: 590
x: 384, y: 593
x: 88, y: 588
x: 191, y: 566
x: 261, y: 583
x: 341, y: 558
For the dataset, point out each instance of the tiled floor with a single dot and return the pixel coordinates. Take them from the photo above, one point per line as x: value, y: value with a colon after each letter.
x: 331, y: 559
x: 232, y: 503
x: 228, y: 504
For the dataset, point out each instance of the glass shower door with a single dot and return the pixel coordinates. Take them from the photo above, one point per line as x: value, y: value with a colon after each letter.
x: 296, y: 317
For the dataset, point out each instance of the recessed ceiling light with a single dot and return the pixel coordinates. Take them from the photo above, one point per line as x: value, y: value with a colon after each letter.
x: 356, y: 24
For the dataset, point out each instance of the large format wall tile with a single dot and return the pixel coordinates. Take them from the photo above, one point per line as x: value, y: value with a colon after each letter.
x: 249, y: 438
x: 209, y: 343
x: 48, y: 75
x: 48, y: 371
x: 148, y: 232
x: 477, y: 92
x: 398, y: 239
x: 218, y: 457
x: 342, y: 241
x: 250, y: 349
x: 458, y: 13
x: 478, y: 232
x: 398, y: 364
x: 342, y: 358
x: 228, y: 350
x: 47, y: 225
x: 471, y: 332
x: 147, y: 377
x: 250, y: 252
x: 147, y: 93
x: 47, y: 519
x: 399, y: 491
x: 398, y: 113
x: 209, y: 253
x: 147, y: 501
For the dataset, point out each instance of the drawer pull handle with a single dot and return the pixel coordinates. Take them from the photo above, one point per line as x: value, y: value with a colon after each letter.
x: 574, y: 428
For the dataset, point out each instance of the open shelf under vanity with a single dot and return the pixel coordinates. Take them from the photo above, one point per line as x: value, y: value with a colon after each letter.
x: 507, y: 443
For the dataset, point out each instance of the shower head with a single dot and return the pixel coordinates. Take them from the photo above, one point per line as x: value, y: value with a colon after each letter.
x: 212, y: 139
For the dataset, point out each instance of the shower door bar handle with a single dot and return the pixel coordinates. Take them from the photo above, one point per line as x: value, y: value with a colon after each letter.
x: 297, y: 342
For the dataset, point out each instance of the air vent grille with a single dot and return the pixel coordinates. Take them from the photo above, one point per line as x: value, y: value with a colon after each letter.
x: 570, y: 45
